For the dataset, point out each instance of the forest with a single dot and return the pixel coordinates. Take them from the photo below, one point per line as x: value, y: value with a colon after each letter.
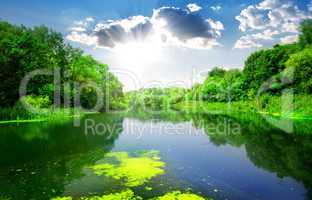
x: 23, y: 50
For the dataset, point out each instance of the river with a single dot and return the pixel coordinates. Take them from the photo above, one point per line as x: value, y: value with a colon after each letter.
x: 209, y: 155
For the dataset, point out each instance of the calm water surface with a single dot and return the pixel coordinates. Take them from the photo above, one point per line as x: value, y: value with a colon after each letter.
x: 212, y: 156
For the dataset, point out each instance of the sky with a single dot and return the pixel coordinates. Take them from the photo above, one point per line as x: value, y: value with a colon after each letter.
x: 162, y: 43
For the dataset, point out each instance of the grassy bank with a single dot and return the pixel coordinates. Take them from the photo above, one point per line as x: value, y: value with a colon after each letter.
x: 297, y: 107
x: 18, y: 114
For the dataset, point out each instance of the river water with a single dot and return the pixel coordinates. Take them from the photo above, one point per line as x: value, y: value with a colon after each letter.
x: 209, y: 155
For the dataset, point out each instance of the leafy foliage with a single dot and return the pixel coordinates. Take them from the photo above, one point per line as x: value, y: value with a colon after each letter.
x: 156, y: 99
x: 264, y: 64
x: 300, y: 65
x: 23, y: 50
x: 305, y: 38
x: 222, y: 85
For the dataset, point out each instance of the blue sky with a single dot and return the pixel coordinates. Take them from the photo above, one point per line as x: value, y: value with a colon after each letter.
x: 201, y: 34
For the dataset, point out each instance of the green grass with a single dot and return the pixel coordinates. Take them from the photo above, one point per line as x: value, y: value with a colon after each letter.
x: 18, y: 114
x: 300, y: 107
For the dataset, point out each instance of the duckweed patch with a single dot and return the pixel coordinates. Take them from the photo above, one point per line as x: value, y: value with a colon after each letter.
x: 134, y: 170
x: 177, y: 195
x: 148, y: 188
x: 125, y: 195
x: 62, y: 198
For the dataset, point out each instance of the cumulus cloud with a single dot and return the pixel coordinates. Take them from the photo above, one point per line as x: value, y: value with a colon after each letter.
x: 270, y: 18
x: 270, y: 13
x: 289, y: 39
x: 254, y: 40
x: 265, y: 35
x: 216, y: 8
x: 185, y: 25
x: 82, y: 38
x: 251, y: 17
x: 246, y: 42
x: 193, y: 7
x: 167, y: 26
x: 111, y: 33
x: 90, y: 19
x: 270, y: 4
x: 78, y: 29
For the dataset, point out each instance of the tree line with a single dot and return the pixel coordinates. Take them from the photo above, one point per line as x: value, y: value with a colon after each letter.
x: 272, y: 70
x: 23, y: 50
x: 266, y: 72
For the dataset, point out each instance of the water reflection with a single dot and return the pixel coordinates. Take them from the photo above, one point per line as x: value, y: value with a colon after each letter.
x: 43, y: 160
x: 267, y: 147
x: 39, y: 160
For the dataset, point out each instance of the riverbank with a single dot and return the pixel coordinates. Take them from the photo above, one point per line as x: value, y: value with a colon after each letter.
x: 297, y: 107
x: 21, y: 115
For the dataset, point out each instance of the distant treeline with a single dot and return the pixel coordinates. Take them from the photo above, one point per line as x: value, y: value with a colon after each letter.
x: 267, y: 72
x: 23, y: 50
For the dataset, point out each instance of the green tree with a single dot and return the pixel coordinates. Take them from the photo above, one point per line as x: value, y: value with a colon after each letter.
x: 300, y: 67
x: 23, y: 50
x: 264, y: 64
x: 305, y: 38
x: 222, y: 85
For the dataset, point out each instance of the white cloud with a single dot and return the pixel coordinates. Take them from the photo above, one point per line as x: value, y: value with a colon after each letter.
x: 167, y: 26
x: 128, y: 23
x: 81, y: 26
x: 216, y: 26
x: 246, y: 42
x: 290, y: 27
x: 216, y: 8
x: 269, y: 4
x: 270, y: 18
x: 90, y: 19
x: 82, y: 38
x: 289, y: 39
x: 77, y: 29
x: 270, y: 13
x: 251, y: 17
x: 254, y: 40
x: 193, y: 7
x: 265, y: 35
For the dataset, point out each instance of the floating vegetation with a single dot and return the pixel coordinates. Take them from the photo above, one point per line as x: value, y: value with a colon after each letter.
x: 62, y: 198
x: 129, y: 195
x: 125, y: 195
x: 148, y: 188
x: 133, y: 170
x: 177, y: 195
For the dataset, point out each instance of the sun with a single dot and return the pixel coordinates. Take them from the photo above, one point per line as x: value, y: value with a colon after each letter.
x: 138, y: 54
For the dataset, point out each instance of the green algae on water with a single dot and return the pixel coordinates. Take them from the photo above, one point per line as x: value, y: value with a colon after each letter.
x: 177, y: 195
x: 148, y: 188
x: 129, y: 195
x: 62, y: 198
x: 134, y: 170
x: 125, y: 195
